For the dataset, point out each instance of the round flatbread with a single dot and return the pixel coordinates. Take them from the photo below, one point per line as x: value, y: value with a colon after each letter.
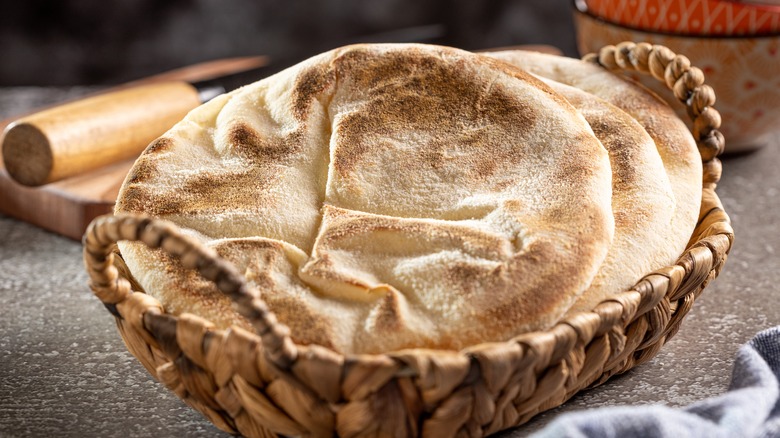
x: 656, y: 209
x: 384, y: 197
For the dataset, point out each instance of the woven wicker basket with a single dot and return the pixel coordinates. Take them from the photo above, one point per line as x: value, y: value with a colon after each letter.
x: 262, y: 384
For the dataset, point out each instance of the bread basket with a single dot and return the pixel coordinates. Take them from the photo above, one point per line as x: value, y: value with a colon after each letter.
x: 262, y: 384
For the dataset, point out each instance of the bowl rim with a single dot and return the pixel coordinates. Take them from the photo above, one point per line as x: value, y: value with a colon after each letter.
x: 581, y: 7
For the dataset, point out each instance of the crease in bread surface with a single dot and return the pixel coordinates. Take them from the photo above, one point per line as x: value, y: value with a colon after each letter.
x: 384, y: 197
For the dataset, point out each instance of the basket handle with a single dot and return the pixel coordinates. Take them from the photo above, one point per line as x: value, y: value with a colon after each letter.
x: 685, y: 81
x: 112, y: 289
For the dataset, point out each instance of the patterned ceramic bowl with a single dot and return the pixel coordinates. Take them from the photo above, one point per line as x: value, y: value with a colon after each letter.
x: 690, y: 17
x: 744, y: 71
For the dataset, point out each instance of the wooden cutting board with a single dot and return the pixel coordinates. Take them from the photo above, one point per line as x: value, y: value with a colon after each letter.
x: 65, y: 207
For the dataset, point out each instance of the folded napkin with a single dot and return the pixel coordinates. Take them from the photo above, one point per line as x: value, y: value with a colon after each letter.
x: 750, y: 408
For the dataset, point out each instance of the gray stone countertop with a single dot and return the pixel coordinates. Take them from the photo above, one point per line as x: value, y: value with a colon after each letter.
x: 64, y: 370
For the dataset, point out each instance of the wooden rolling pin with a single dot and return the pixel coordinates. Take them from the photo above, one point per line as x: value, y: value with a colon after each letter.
x: 93, y: 132
x: 90, y: 133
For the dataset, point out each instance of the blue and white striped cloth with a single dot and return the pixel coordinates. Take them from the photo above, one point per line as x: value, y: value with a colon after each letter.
x: 750, y: 408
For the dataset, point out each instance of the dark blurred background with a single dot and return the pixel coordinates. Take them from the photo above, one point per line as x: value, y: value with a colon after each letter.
x: 53, y: 42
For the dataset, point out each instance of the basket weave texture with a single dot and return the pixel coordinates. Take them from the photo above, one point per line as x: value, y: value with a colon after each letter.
x: 263, y: 384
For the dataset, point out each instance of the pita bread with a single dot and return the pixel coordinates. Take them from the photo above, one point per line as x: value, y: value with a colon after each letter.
x: 642, y: 198
x: 652, y: 224
x: 384, y: 197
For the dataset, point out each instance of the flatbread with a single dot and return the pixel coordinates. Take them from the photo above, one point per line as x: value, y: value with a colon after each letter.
x: 652, y: 225
x: 643, y: 202
x: 384, y: 197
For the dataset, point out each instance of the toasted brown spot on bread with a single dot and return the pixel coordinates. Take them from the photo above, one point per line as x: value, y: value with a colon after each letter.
x: 387, y: 317
x: 201, y: 192
x: 219, y: 191
x: 260, y: 150
x: 356, y: 126
x: 140, y: 199
x: 620, y: 140
x: 258, y: 256
x: 309, y: 85
x: 162, y: 144
x: 310, y: 326
x: 433, y: 153
x: 468, y: 278
x: 143, y: 169
x: 420, y: 92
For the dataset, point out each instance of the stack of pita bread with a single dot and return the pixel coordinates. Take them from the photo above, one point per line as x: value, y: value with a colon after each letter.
x: 384, y: 197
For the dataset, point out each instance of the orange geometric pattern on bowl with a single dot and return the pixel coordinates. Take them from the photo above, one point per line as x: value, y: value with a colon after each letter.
x: 743, y: 72
x: 690, y: 17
